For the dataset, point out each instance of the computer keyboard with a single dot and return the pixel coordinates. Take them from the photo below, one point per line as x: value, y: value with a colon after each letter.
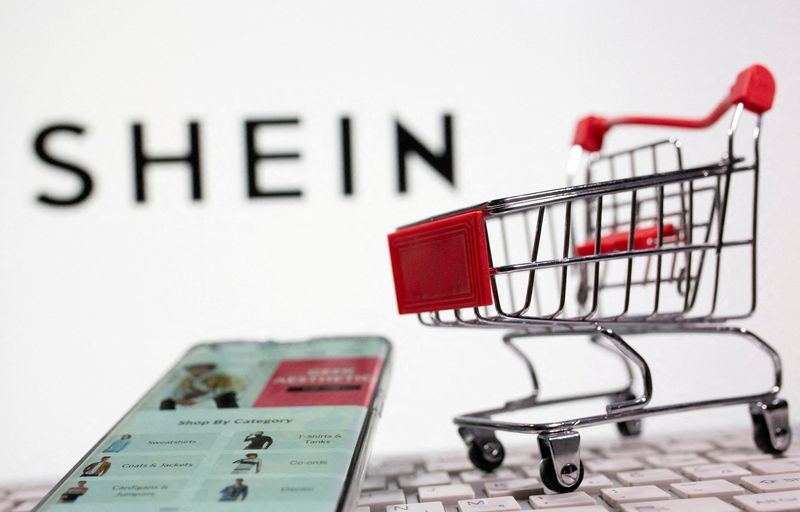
x: 22, y: 497
x: 721, y: 473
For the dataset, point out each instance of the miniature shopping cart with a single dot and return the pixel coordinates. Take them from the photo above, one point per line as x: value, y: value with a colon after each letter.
x: 645, y: 245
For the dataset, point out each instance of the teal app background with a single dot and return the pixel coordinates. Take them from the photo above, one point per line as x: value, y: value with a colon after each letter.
x: 193, y: 443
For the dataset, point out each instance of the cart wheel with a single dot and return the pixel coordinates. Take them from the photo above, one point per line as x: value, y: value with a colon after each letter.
x: 486, y: 452
x: 548, y: 474
x: 771, y: 431
x: 628, y: 428
x: 561, y: 469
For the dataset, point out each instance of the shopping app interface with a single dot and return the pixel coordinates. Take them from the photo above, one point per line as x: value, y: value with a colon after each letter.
x: 240, y: 426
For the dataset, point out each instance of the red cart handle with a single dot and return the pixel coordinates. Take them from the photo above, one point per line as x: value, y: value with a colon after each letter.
x: 754, y: 88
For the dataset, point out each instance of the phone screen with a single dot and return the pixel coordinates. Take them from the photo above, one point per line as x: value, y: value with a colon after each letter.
x: 237, y: 426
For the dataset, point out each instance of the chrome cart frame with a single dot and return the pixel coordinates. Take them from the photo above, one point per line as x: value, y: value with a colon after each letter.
x: 650, y: 246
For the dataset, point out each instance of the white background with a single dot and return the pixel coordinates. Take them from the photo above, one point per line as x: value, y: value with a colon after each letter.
x: 97, y: 301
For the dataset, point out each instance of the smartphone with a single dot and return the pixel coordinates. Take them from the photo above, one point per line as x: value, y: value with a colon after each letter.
x: 246, y: 426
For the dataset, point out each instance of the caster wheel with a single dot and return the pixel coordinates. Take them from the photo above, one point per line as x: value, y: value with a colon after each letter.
x: 561, y: 469
x: 628, y: 428
x: 486, y: 453
x: 771, y: 431
x: 570, y: 473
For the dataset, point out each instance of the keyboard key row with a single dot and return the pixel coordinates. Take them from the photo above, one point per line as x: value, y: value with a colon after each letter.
x: 622, y: 499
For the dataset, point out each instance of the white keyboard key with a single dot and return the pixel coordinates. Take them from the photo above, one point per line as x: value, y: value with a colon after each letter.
x: 572, y: 499
x: 408, y: 482
x: 398, y: 460
x: 658, y: 476
x: 362, y: 509
x: 593, y: 483
x: 380, y: 499
x: 770, y: 483
x: 707, y: 489
x: 676, y: 460
x: 735, y: 441
x: 736, y: 455
x: 616, y: 496
x: 395, y: 469
x: 446, y: 493
x: 690, y: 505
x: 520, y: 488
x: 729, y: 472
x: 675, y: 446
x: 587, y: 454
x: 373, y: 483
x: 480, y: 477
x: 627, y: 452
x: 449, y: 465
x: 446, y: 455
x: 500, y: 504
x: 787, y: 501
x: 6, y: 506
x: 433, y: 506
x: 609, y: 467
x: 516, y: 460
x: 774, y: 466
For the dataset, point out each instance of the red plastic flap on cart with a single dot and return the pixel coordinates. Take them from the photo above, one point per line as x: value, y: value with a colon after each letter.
x: 442, y: 264
x: 643, y: 238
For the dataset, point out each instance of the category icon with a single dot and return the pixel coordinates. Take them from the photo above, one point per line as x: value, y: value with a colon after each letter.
x: 250, y: 462
x: 118, y: 445
x: 235, y: 492
x: 257, y: 441
x: 73, y: 493
x: 98, y: 468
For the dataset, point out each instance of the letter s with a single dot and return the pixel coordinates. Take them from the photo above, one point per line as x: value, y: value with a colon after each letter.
x: 86, y: 184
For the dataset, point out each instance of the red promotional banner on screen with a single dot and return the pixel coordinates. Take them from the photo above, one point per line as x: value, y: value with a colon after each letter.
x: 321, y: 382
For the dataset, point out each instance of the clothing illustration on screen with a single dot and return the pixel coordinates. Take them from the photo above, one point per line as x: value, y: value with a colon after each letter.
x: 237, y: 491
x: 73, y: 493
x: 118, y: 445
x: 247, y: 464
x: 98, y: 468
x: 258, y: 441
x: 203, y: 384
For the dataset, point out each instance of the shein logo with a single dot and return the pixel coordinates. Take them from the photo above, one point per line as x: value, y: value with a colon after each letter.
x: 406, y: 143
